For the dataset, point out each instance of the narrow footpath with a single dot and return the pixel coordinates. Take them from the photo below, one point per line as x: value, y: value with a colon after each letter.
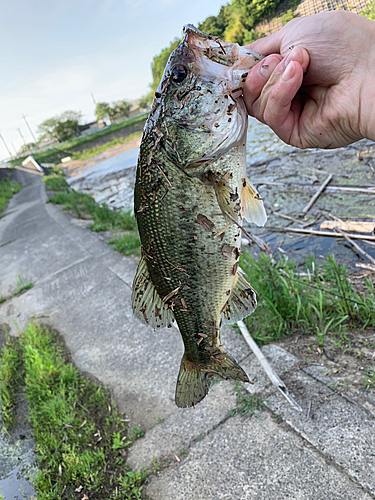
x: 82, y: 288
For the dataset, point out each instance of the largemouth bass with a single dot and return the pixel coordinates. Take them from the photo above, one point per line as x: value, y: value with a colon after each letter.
x: 191, y: 194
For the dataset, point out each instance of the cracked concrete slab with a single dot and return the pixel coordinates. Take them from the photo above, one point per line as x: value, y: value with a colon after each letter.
x: 82, y: 289
x: 253, y: 458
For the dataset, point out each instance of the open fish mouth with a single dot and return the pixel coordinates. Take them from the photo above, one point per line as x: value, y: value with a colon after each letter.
x: 219, y: 51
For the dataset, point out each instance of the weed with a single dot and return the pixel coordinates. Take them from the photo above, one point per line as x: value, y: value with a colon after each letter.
x: 21, y: 286
x: 130, y: 485
x: 155, y: 464
x: 277, y: 418
x: 7, y: 189
x: 160, y: 420
x: 11, y: 373
x: 135, y: 433
x: 56, y: 182
x: 370, y: 377
x: 247, y: 404
x: 319, y: 301
x: 79, y: 435
x: 128, y: 244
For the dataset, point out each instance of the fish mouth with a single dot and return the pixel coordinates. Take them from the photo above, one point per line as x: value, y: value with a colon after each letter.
x: 219, y: 51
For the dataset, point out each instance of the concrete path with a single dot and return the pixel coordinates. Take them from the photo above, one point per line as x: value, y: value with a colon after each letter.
x: 82, y: 288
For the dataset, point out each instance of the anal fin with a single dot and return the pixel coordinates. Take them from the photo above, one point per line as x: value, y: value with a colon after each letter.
x: 147, y: 304
x: 252, y: 204
x: 241, y: 302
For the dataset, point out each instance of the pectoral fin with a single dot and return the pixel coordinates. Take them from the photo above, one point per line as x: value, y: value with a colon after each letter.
x: 241, y: 302
x: 252, y: 204
x: 228, y: 200
x: 147, y: 304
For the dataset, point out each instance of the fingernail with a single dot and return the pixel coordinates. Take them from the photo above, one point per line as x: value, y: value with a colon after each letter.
x: 289, y: 72
x: 267, y: 67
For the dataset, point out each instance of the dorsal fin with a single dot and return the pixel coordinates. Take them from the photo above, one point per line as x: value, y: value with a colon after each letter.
x: 241, y: 302
x: 147, y: 304
x: 252, y: 204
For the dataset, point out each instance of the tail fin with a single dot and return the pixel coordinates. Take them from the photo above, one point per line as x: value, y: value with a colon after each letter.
x: 193, y: 381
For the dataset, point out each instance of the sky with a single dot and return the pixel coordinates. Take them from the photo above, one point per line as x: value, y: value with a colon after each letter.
x: 55, y: 53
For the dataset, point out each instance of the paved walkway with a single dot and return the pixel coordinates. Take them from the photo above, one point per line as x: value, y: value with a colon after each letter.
x: 82, y: 288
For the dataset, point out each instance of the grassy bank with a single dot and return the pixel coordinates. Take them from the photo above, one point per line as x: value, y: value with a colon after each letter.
x: 54, y: 154
x: 7, y: 189
x: 91, y: 152
x: 125, y: 238
x: 313, y: 300
x: 81, y: 439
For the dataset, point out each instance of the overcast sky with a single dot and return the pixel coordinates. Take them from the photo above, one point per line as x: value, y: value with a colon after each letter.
x: 55, y: 53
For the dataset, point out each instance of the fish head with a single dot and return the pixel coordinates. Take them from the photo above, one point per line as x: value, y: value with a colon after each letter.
x: 200, y: 97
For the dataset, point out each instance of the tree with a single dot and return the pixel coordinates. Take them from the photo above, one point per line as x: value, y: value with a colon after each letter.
x: 25, y: 148
x: 159, y: 62
x: 61, y: 127
x: 146, y: 101
x: 369, y: 12
x: 115, y: 111
x: 103, y: 110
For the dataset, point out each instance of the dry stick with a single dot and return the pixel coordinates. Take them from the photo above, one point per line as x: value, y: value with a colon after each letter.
x: 276, y: 381
x: 288, y: 217
x: 356, y: 246
x: 370, y: 190
x: 254, y: 239
x: 323, y: 233
x: 316, y: 195
x: 368, y: 267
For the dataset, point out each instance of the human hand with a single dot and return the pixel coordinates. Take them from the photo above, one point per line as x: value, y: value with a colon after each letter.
x: 335, y: 105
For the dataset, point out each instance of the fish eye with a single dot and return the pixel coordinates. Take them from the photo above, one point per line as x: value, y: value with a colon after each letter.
x: 178, y: 74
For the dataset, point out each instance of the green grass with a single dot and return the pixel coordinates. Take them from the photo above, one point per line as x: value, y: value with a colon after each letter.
x: 320, y: 301
x: 20, y: 287
x: 91, y: 152
x: 56, y: 182
x: 127, y: 244
x: 81, y: 439
x: 54, y: 154
x: 247, y: 405
x: 83, y: 205
x: 7, y: 189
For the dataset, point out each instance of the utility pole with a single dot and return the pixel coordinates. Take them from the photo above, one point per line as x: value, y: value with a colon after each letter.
x: 93, y: 98
x: 27, y: 147
x: 5, y: 144
x: 28, y: 126
x: 15, y: 150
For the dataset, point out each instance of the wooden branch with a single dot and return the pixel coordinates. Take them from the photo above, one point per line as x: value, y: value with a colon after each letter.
x: 288, y: 217
x: 356, y: 246
x: 368, y: 267
x: 276, y: 381
x: 252, y: 237
x: 316, y: 195
x: 349, y: 189
x: 323, y: 233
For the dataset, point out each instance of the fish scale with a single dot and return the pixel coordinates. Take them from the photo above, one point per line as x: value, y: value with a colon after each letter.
x: 188, y: 206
